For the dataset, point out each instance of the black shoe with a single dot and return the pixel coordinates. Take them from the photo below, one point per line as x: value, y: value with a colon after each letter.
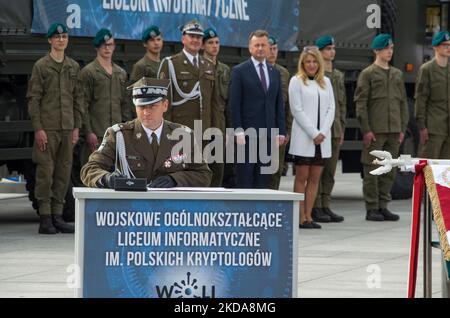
x: 306, y: 225
x: 374, y: 215
x: 46, y: 225
x: 315, y: 225
x: 388, y: 215
x: 319, y: 215
x: 333, y: 217
x: 62, y: 226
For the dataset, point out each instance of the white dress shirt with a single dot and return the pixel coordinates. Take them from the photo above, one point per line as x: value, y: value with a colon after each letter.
x: 158, y: 132
x: 191, y: 57
x: 266, y: 70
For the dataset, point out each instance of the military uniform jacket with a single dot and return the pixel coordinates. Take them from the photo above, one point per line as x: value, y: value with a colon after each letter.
x: 221, y: 116
x: 104, y: 98
x: 187, y: 76
x: 54, y: 97
x: 141, y: 159
x: 432, y: 98
x: 381, y: 105
x: 285, y: 78
x: 144, y: 68
x: 338, y: 81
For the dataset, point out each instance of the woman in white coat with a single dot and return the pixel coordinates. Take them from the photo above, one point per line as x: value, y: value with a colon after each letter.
x: 312, y: 105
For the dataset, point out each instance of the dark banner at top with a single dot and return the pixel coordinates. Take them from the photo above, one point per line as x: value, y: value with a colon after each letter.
x: 234, y: 20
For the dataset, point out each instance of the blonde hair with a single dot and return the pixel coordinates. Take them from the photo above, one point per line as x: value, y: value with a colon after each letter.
x: 320, y: 75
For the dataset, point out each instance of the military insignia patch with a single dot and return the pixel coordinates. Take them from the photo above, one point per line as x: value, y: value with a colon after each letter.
x: 212, y: 34
x: 59, y: 29
x: 185, y: 62
x: 153, y: 34
x: 447, y: 37
x: 167, y: 164
x: 106, y: 37
x: 138, y: 135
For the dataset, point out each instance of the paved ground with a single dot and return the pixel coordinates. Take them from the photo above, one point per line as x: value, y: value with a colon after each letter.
x: 352, y: 259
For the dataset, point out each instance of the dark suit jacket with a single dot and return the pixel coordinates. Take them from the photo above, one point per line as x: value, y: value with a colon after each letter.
x: 251, y: 106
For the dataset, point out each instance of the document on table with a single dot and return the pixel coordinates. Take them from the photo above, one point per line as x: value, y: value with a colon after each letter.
x: 191, y: 189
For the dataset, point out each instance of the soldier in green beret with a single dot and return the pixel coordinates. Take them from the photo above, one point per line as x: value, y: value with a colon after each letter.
x: 105, y: 97
x: 54, y: 107
x: 192, y: 81
x: 211, y: 48
x: 321, y: 211
x: 148, y: 66
x: 433, y: 101
x: 382, y: 110
x: 148, y: 146
x: 285, y: 78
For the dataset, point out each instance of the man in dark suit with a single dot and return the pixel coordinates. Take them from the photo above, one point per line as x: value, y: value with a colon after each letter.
x: 256, y: 101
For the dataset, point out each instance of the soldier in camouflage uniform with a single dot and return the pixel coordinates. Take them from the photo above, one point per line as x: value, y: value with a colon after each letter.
x: 211, y: 47
x: 105, y: 97
x: 433, y: 101
x: 148, y: 66
x: 382, y: 110
x: 148, y: 146
x: 285, y: 78
x: 55, y: 112
x: 321, y: 211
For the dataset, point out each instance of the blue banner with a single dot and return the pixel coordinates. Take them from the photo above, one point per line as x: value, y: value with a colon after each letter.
x: 188, y: 249
x: 234, y: 20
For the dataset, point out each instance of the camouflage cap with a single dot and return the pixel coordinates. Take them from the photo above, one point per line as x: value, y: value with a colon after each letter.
x: 56, y: 28
x: 150, y: 33
x: 148, y: 91
x: 381, y: 41
x: 101, y: 37
x: 209, y: 33
x: 192, y: 27
x: 324, y: 41
x: 440, y: 37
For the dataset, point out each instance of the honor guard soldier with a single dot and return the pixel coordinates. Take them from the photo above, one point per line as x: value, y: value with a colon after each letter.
x: 285, y: 78
x: 55, y: 111
x: 321, y: 211
x: 142, y: 148
x: 433, y: 101
x: 192, y: 81
x: 105, y: 97
x: 382, y: 110
x: 211, y: 48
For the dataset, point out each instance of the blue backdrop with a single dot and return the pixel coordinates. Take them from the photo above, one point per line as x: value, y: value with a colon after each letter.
x: 233, y: 19
x: 103, y: 278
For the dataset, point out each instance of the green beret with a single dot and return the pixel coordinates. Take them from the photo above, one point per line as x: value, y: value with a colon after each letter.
x: 150, y: 33
x: 101, y: 37
x: 440, y: 37
x: 209, y: 34
x: 272, y: 40
x: 56, y: 28
x: 381, y: 41
x: 324, y: 41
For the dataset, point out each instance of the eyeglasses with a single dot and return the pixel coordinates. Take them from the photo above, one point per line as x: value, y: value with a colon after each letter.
x: 60, y: 37
x: 446, y: 46
x: 108, y: 45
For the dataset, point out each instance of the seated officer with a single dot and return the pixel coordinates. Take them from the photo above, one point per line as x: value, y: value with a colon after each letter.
x: 144, y: 148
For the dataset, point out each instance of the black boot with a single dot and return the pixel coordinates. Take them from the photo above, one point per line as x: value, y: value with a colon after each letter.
x: 374, y: 215
x: 388, y: 215
x: 46, y: 225
x: 318, y: 215
x: 61, y: 225
x: 333, y: 216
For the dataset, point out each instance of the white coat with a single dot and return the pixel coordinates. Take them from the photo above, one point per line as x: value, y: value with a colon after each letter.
x: 303, y: 100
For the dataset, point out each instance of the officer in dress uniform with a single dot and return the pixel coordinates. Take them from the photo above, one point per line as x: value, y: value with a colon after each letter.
x: 321, y: 211
x: 143, y: 146
x: 192, y: 81
x: 433, y: 101
x: 55, y: 111
x: 382, y: 111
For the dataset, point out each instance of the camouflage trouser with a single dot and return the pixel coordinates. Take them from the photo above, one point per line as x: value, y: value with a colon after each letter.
x: 377, y: 189
x: 326, y: 183
x: 275, y: 178
x: 437, y: 147
x: 53, y: 168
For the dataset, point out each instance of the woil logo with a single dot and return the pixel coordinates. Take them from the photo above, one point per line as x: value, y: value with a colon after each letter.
x: 186, y: 288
